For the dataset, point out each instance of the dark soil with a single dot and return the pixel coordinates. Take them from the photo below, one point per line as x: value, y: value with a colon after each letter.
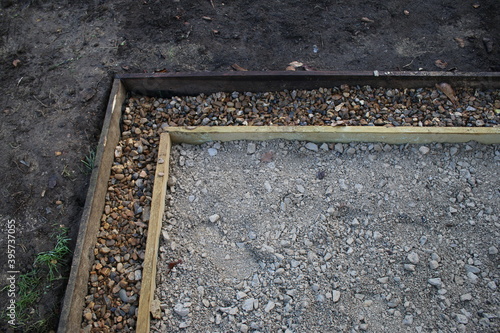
x: 58, y: 58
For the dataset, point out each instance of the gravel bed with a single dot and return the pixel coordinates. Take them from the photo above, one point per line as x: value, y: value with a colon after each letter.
x: 298, y: 237
x: 115, y: 277
x: 345, y: 105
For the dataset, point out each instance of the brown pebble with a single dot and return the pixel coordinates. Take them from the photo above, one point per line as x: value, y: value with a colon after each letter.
x: 119, y: 176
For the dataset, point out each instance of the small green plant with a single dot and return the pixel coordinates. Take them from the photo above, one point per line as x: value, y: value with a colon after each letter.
x: 89, y: 161
x: 33, y: 284
x: 53, y: 259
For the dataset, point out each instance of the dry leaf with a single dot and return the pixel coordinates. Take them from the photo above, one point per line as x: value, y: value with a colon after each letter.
x: 207, y: 18
x: 460, y: 41
x: 16, y: 62
x: 237, y: 67
x: 58, y: 153
x: 290, y: 68
x: 406, y: 12
x: 441, y: 64
x: 446, y: 89
x: 367, y: 20
x: 267, y: 157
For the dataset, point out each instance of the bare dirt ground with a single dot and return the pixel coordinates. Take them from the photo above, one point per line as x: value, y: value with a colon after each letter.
x: 57, y: 60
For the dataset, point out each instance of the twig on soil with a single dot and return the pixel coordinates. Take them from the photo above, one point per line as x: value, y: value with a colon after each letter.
x: 409, y: 64
x: 43, y: 104
x: 212, y: 3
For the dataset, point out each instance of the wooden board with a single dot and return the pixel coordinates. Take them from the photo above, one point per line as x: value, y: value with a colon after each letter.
x: 148, y: 284
x: 83, y: 255
x: 392, y: 135
x: 169, y: 84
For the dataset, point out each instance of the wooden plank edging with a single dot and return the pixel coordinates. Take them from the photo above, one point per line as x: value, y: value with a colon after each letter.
x: 83, y: 255
x: 392, y: 135
x: 148, y: 284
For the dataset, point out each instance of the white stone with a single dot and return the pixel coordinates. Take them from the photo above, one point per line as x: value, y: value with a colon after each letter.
x: 212, y: 151
x: 424, y: 150
x: 214, y: 218
x: 335, y: 296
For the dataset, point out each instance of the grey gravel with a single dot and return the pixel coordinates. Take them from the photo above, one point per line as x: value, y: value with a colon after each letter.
x: 393, y: 238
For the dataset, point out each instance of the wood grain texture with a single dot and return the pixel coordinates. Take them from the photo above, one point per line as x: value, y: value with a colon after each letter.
x: 392, y: 135
x: 148, y: 283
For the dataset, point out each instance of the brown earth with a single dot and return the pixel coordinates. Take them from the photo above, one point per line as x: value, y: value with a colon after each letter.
x: 58, y: 58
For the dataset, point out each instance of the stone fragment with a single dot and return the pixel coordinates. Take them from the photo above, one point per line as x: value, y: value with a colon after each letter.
x: 312, y: 146
x: 461, y: 318
x: 413, y: 258
x: 181, y: 310
x: 335, y: 296
x: 214, y: 218
x: 248, y: 304
x: 466, y: 297
x: 424, y: 150
x: 436, y: 282
x: 251, y: 148
x: 212, y: 151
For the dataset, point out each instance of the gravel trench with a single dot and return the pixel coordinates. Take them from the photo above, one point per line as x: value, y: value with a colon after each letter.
x: 301, y: 237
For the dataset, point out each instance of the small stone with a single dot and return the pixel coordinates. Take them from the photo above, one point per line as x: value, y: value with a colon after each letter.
x: 123, y: 295
x: 251, y: 148
x: 466, y: 297
x: 377, y: 235
x: 413, y: 257
x: 433, y: 264
x: 155, y: 309
x: 335, y: 296
x: 214, y: 218
x: 212, y: 151
x: 472, y: 269
x: 384, y: 279
x: 424, y: 150
x: 324, y: 147
x: 492, y: 285
x: 436, y: 282
x: 492, y: 250
x: 472, y: 277
x: 270, y: 305
x: 461, y: 318
x: 181, y: 310
x: 312, y: 146
x: 409, y: 267
x: 88, y: 316
x: 248, y: 304
x: 351, y: 151
x: 408, y: 320
x: 453, y: 151
x: 339, y: 148
x: 267, y: 186
x: 244, y: 328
